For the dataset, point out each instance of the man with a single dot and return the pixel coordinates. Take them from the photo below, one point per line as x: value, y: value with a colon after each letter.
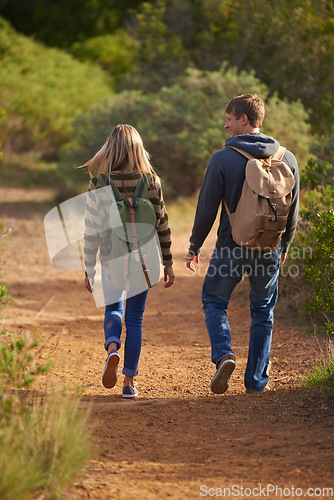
x: 224, y: 179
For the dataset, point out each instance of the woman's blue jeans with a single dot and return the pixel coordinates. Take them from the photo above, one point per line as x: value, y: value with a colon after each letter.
x: 226, y: 269
x: 134, y: 311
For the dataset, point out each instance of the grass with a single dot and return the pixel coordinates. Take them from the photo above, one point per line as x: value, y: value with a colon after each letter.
x: 4, y: 296
x: 181, y: 213
x: 322, y: 374
x: 44, y: 441
x: 43, y: 447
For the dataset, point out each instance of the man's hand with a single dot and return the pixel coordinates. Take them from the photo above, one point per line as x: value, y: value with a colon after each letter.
x: 169, y: 276
x: 89, y: 284
x: 283, y: 257
x: 189, y: 261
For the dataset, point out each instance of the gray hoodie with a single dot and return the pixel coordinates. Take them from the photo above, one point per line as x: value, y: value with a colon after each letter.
x: 224, y: 178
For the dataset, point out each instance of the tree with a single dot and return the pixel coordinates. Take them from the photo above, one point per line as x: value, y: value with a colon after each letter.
x: 63, y: 23
x: 319, y: 268
x: 320, y: 168
x: 182, y: 125
x: 289, y: 44
x: 42, y: 91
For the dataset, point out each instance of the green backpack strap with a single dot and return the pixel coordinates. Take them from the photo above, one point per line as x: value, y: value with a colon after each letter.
x: 142, y: 187
x: 101, y: 180
x: 110, y: 182
x: 117, y: 193
x: 140, y: 192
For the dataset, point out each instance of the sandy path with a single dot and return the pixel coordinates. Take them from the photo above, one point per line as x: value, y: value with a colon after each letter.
x: 177, y: 437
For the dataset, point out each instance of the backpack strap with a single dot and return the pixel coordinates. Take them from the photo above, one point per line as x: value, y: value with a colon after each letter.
x: 102, y: 180
x: 142, y: 187
x: 276, y: 156
x: 242, y: 152
x: 249, y: 157
x: 116, y: 191
x: 279, y: 153
x: 106, y: 181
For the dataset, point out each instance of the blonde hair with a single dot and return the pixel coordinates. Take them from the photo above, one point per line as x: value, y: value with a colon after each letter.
x: 123, y: 149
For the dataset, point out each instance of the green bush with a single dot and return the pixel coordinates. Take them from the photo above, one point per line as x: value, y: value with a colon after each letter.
x: 320, y: 169
x: 293, y: 62
x: 43, y: 442
x: 42, y: 91
x: 319, y: 214
x: 312, y: 249
x: 4, y: 296
x: 319, y: 267
x: 322, y: 374
x: 115, y: 53
x: 182, y: 126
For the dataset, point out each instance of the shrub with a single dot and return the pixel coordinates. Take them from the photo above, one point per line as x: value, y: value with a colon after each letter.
x: 294, y: 62
x: 4, y: 296
x: 319, y: 267
x: 43, y: 442
x: 322, y: 374
x: 182, y: 125
x: 320, y: 169
x: 115, y: 53
x: 42, y: 91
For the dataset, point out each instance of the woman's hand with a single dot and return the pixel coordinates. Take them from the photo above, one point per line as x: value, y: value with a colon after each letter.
x: 89, y: 283
x: 169, y: 276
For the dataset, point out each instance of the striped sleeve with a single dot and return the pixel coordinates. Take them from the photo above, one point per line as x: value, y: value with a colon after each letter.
x: 92, y: 236
x: 163, y: 227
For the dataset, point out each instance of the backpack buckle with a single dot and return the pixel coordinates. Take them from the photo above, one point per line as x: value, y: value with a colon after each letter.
x: 136, y: 254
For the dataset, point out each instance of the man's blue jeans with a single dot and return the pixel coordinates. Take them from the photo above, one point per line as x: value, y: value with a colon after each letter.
x: 226, y: 269
x: 134, y: 311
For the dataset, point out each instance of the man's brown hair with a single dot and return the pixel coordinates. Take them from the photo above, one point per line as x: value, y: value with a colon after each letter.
x: 247, y: 104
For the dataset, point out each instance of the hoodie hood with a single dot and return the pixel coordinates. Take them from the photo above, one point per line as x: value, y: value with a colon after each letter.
x: 257, y: 144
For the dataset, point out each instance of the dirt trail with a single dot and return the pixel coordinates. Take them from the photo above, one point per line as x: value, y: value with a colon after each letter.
x: 177, y: 439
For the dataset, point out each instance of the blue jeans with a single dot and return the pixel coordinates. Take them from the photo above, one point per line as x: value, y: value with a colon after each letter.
x: 134, y: 311
x: 226, y: 269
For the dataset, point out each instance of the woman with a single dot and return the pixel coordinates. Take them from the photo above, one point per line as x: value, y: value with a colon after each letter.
x: 124, y: 161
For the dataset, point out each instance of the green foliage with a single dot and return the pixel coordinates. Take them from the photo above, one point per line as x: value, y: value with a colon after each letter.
x: 15, y: 361
x: 182, y: 125
x: 63, y: 23
x: 33, y: 172
x: 250, y: 35
x: 174, y: 34
x: 43, y: 443
x: 4, y: 296
x: 161, y: 55
x: 322, y: 376
x: 2, y: 115
x: 320, y: 169
x: 115, y: 53
x: 314, y: 240
x: 42, y: 91
x: 319, y: 267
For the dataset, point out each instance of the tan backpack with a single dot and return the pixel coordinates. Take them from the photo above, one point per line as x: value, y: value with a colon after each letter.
x: 262, y: 211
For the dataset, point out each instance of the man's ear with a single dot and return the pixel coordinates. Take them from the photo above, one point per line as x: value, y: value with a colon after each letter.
x: 244, y: 119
